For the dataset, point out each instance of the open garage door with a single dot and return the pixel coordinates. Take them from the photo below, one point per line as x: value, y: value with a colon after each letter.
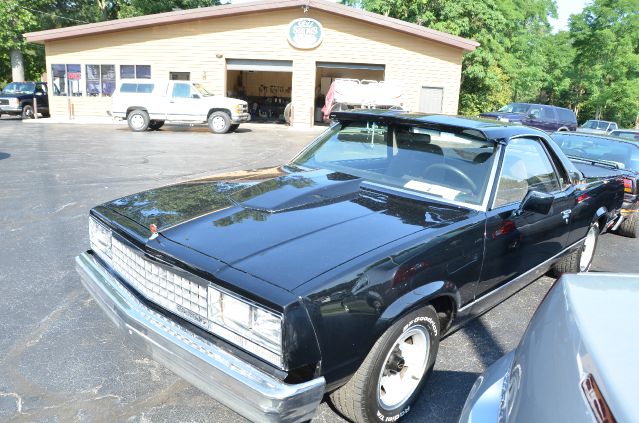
x: 327, y: 72
x: 266, y: 86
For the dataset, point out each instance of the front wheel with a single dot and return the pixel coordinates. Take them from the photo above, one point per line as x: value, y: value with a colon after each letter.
x: 219, y: 122
x: 27, y: 112
x: 389, y: 379
x: 579, y: 260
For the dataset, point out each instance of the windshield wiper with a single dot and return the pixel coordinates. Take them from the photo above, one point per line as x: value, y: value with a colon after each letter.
x: 608, y: 163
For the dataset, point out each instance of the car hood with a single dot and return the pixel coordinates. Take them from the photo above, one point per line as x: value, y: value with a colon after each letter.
x: 509, y: 116
x: 219, y: 101
x: 283, y: 225
x: 14, y: 95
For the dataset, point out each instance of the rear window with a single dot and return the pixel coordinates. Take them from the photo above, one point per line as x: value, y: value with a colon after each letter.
x: 566, y: 115
x: 136, y: 88
x: 623, y: 154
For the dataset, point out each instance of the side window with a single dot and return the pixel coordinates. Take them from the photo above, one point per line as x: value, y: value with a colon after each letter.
x: 41, y: 89
x: 535, y: 111
x: 526, y: 167
x: 181, y: 91
x: 613, y: 126
x: 547, y: 113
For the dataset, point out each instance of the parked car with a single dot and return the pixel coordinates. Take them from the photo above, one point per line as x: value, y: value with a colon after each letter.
x: 541, y: 116
x: 629, y: 134
x: 148, y: 104
x: 597, y: 127
x: 17, y: 99
x: 339, y: 272
x: 572, y: 365
x: 614, y: 156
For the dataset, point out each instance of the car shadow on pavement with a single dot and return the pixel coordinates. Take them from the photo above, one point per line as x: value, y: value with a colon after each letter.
x: 4, y: 155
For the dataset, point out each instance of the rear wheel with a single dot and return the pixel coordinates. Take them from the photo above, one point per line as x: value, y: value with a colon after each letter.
x: 579, y: 260
x: 630, y: 226
x: 389, y: 379
x: 27, y: 112
x: 138, y: 120
x: 219, y: 122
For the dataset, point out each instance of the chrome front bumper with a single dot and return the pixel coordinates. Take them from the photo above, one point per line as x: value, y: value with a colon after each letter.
x: 241, y: 118
x: 237, y: 384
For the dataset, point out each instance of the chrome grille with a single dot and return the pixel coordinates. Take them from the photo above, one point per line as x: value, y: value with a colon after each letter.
x: 4, y: 102
x: 159, y: 285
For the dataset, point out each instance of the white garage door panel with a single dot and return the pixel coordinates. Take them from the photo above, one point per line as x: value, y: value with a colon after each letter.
x: 431, y: 99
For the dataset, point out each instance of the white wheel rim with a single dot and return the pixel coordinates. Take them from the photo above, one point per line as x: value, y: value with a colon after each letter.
x: 588, y: 249
x: 28, y: 112
x: 218, y: 123
x: 137, y: 121
x: 398, y: 381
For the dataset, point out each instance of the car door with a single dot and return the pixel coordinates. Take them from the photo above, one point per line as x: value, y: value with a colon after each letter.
x: 41, y: 97
x: 517, y: 243
x: 184, y: 103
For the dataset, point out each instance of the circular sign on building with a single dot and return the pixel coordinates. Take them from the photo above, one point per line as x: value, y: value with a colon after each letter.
x: 305, y: 33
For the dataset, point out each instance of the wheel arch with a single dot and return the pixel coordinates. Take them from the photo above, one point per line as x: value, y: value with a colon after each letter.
x: 132, y: 108
x: 443, y: 296
x: 218, y: 109
x: 601, y: 218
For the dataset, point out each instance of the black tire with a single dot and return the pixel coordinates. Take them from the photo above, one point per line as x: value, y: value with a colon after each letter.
x: 27, y: 112
x: 572, y: 262
x: 234, y: 127
x: 138, y: 120
x: 362, y: 398
x: 154, y: 125
x: 630, y: 226
x: 46, y: 115
x: 219, y: 122
x: 563, y: 129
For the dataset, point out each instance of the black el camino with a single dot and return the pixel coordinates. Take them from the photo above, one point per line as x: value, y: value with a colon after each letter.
x: 339, y: 272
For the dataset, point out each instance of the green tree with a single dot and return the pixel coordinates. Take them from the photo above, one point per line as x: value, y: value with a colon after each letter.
x: 606, y: 39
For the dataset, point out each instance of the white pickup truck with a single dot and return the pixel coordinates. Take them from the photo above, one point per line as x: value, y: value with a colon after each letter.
x: 147, y: 104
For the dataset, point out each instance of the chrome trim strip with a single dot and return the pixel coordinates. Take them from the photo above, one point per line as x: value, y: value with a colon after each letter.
x: 246, y: 389
x: 519, y: 278
x: 425, y: 195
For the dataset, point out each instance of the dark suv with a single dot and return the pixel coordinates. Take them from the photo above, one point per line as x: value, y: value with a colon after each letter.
x: 548, y: 118
x: 17, y: 98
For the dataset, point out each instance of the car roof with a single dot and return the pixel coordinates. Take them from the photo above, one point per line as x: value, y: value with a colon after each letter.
x: 589, y: 135
x: 490, y: 128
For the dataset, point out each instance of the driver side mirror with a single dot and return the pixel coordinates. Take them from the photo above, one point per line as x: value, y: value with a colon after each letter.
x: 195, y: 96
x: 536, y: 202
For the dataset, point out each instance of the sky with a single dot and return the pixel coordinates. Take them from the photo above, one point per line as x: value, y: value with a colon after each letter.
x: 565, y: 8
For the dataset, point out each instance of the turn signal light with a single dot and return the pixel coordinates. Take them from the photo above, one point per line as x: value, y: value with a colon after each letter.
x: 597, y: 402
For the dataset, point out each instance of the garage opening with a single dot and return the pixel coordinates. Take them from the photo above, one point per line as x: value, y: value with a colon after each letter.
x: 327, y: 72
x: 266, y: 86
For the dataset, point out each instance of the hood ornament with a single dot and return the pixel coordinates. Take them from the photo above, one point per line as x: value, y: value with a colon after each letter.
x: 154, y: 231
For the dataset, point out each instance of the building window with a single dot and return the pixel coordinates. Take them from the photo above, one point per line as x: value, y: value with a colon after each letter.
x: 135, y: 71
x: 66, y: 80
x: 100, y: 80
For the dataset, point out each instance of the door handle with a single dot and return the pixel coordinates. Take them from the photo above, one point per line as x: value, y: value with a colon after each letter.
x: 565, y: 214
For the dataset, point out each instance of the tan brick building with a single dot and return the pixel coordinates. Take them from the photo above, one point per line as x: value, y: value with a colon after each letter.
x: 245, y: 51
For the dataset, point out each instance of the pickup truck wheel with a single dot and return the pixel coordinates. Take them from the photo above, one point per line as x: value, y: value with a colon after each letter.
x: 234, y: 127
x: 630, y: 226
x: 154, y: 125
x: 138, y: 120
x: 27, y: 112
x: 581, y: 259
x: 393, y: 372
x: 219, y: 122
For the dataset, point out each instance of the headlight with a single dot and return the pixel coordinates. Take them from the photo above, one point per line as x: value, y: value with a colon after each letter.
x: 248, y: 322
x: 15, y: 102
x: 100, y: 239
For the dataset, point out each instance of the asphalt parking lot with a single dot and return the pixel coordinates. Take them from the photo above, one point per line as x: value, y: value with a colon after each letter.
x: 61, y: 360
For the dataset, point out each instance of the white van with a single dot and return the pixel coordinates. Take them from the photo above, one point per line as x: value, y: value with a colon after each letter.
x: 147, y: 104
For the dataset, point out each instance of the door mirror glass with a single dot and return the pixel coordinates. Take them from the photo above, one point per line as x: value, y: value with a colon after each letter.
x: 537, y: 202
x: 195, y: 96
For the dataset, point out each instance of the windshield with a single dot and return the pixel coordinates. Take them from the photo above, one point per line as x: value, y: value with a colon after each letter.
x: 515, y: 108
x: 19, y: 88
x: 596, y: 124
x: 202, y: 90
x: 453, y: 166
x: 623, y: 154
